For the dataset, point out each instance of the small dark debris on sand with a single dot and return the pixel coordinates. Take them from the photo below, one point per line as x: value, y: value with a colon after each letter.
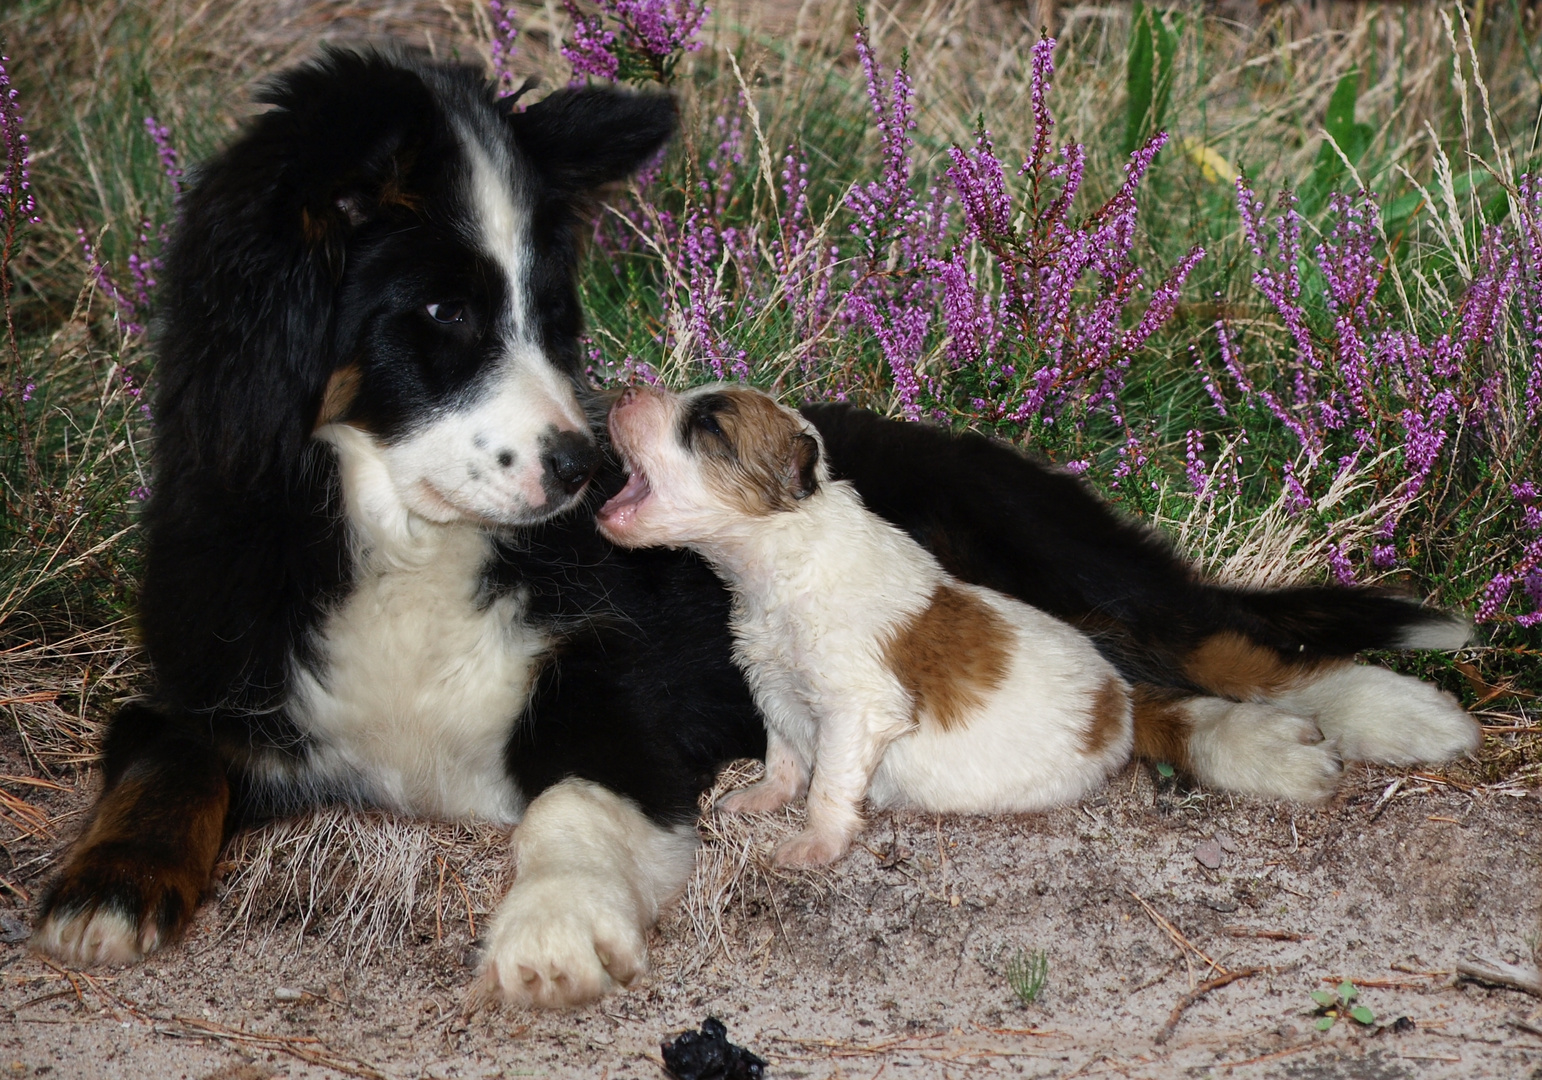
x: 710, y: 1056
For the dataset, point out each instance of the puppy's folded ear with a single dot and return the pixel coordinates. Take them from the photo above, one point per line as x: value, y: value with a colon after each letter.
x: 805, y: 461
x: 582, y: 137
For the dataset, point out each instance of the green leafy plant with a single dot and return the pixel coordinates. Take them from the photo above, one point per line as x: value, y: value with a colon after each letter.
x: 1149, y: 71
x: 1354, y: 139
x: 1335, y: 1005
x: 1027, y: 972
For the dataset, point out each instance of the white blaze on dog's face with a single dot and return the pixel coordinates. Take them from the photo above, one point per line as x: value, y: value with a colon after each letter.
x: 704, y: 462
x: 453, y: 398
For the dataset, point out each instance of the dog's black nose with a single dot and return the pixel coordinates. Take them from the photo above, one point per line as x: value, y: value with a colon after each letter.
x: 572, y: 458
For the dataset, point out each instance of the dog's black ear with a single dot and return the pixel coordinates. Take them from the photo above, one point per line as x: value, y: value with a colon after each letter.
x: 582, y: 137
x: 805, y: 461
x: 247, y: 292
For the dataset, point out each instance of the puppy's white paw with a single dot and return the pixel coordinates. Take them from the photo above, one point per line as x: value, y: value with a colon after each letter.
x: 810, y: 848
x: 761, y: 797
x: 99, y: 935
x: 1261, y: 750
x: 559, y: 941
x: 1379, y: 715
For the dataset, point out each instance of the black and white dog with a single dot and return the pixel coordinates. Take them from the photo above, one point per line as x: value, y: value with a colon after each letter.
x: 372, y: 575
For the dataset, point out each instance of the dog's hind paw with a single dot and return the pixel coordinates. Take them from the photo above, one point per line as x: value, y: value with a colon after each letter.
x: 1379, y: 715
x: 1260, y: 750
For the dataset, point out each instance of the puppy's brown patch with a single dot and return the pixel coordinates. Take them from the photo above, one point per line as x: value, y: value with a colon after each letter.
x: 338, y: 397
x: 1109, y: 710
x: 1230, y: 665
x: 1161, y: 728
x: 754, y: 453
x: 950, y: 656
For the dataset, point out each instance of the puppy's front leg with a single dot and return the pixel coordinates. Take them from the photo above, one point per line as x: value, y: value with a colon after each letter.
x: 786, y: 778
x: 594, y: 872
x: 852, y: 741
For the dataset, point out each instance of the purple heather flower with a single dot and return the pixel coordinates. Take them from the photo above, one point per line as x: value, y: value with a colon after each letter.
x: 1196, y: 472
x: 982, y: 189
x: 657, y: 29
x: 127, y: 311
x: 504, y: 34
x: 166, y: 152
x: 17, y: 203
x: 1338, y: 562
x: 1296, y: 498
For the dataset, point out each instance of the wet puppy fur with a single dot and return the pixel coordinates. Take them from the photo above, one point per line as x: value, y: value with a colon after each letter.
x: 877, y: 673
x: 372, y: 573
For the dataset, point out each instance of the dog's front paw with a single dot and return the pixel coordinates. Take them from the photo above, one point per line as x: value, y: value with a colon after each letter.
x: 560, y: 941
x: 810, y: 848
x: 115, y: 907
x: 761, y: 797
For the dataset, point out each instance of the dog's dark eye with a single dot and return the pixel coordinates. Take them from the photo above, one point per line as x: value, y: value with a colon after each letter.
x: 708, y: 423
x: 449, y: 311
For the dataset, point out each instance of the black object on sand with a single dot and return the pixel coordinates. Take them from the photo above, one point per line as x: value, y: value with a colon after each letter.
x: 709, y: 1055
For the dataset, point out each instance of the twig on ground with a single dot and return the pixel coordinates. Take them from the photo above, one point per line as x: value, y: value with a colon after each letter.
x: 1267, y: 935
x: 1386, y: 797
x: 1183, y: 943
x: 304, y: 1047
x: 1198, y: 992
x: 1528, y: 980
x: 1266, y: 1057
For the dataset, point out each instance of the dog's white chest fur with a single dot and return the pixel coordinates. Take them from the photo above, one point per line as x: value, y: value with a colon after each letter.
x: 423, y: 683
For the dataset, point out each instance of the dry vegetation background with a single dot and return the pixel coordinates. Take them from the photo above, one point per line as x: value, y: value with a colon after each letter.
x: 368, y: 919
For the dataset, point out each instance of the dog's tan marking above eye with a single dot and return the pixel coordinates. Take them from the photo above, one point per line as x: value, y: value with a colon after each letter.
x: 1109, y: 709
x: 949, y: 656
x: 338, y: 397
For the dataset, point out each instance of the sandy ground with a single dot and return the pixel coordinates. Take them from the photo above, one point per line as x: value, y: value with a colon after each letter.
x: 894, y: 964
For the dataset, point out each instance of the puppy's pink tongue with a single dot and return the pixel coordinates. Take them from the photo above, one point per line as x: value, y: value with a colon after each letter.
x: 621, y: 505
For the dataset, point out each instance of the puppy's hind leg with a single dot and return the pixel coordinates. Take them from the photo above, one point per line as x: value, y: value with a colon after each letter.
x: 1237, y: 746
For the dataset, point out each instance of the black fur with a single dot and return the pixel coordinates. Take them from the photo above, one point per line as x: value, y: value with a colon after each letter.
x: 334, y: 238
x: 997, y: 518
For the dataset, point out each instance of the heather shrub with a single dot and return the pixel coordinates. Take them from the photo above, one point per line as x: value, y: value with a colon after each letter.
x: 1284, y: 301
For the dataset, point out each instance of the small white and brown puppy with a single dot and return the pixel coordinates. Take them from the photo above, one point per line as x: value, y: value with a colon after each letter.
x: 877, y: 672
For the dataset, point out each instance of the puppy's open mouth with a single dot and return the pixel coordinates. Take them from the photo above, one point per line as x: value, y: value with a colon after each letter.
x: 621, y: 507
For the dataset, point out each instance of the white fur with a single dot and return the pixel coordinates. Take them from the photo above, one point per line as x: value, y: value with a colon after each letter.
x: 422, y: 682
x: 818, y: 591
x: 1448, y: 632
x: 451, y: 468
x: 1259, y: 750
x: 85, y: 939
x: 594, y: 873
x: 1378, y: 715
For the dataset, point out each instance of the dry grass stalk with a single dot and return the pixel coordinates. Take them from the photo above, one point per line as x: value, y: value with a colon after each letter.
x: 365, y: 880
